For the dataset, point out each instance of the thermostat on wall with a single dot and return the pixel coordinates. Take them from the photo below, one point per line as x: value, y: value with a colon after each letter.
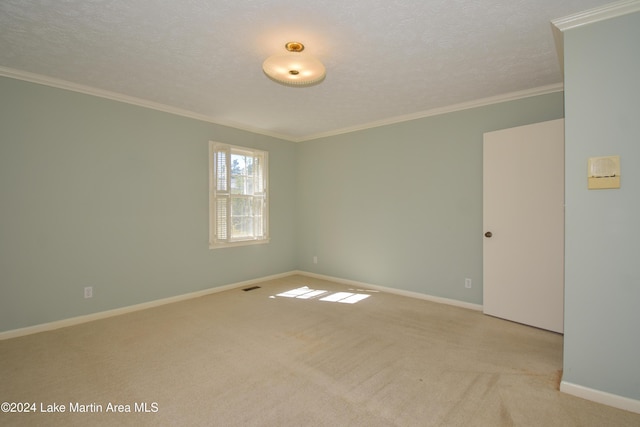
x: 603, y: 172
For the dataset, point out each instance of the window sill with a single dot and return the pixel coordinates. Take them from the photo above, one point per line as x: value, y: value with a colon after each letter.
x: 238, y: 243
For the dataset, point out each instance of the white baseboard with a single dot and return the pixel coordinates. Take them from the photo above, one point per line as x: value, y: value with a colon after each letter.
x: 401, y: 292
x: 598, y: 396
x: 137, y: 307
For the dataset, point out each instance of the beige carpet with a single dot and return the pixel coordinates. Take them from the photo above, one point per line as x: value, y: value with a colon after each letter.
x: 251, y: 359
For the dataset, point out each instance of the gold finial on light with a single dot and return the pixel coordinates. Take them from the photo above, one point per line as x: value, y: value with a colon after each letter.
x: 294, y: 47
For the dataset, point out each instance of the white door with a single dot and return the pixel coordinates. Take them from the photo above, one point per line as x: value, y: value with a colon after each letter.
x: 523, y: 219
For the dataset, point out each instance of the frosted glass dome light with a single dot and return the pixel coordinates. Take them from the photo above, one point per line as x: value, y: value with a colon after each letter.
x: 294, y: 68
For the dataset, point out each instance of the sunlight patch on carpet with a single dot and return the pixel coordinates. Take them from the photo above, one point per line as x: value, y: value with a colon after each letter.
x: 307, y: 293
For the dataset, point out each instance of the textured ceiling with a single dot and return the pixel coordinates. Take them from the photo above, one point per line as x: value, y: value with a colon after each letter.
x: 385, y: 59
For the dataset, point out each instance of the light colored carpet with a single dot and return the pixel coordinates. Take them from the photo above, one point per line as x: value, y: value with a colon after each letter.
x: 250, y: 359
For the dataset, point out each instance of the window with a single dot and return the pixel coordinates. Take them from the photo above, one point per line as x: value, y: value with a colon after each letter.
x: 238, y: 199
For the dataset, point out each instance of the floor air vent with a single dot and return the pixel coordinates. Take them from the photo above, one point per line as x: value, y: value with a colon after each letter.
x: 251, y: 288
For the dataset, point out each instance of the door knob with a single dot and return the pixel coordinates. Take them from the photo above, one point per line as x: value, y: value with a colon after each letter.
x: 488, y: 234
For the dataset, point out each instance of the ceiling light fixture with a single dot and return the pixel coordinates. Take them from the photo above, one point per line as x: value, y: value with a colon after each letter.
x: 294, y: 68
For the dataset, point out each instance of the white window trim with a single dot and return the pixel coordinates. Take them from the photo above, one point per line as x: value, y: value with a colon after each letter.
x: 214, y: 242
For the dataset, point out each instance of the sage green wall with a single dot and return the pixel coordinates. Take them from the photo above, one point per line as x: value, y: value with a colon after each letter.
x: 401, y: 205
x: 100, y: 193
x: 602, y: 269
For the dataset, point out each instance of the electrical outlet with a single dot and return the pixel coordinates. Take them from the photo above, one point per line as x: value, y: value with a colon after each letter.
x: 88, y: 292
x: 467, y: 283
x: 315, y: 259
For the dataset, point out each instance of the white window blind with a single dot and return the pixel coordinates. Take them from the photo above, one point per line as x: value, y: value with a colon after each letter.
x: 238, y: 199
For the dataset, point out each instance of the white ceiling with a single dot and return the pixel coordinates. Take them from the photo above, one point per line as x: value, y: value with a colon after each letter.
x: 386, y: 60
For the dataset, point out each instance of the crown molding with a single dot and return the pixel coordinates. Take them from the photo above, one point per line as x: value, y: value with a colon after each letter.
x: 559, y: 26
x: 511, y: 96
x: 114, y: 96
x: 590, y: 16
x: 597, y: 14
x: 88, y: 90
